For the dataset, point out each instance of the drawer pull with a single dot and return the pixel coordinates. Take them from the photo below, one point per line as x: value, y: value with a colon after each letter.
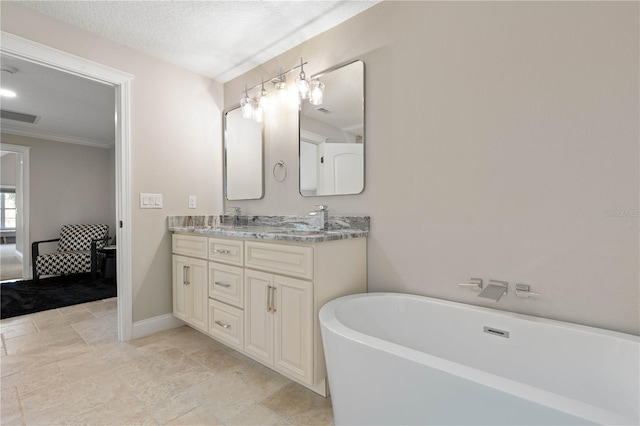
x: 222, y: 284
x: 221, y: 251
x: 221, y: 324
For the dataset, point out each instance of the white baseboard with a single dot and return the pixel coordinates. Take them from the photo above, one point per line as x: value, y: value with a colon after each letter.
x: 155, y: 325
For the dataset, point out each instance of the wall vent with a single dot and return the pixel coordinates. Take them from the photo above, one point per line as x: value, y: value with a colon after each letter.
x: 18, y: 116
x: 326, y: 111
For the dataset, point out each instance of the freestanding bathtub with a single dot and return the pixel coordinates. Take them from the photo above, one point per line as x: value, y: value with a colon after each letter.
x: 401, y: 359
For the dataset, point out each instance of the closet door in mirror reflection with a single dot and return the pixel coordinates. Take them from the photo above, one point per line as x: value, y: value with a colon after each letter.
x: 243, y: 157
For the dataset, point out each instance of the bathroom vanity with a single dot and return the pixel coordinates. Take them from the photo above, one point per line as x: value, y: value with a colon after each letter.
x: 258, y: 288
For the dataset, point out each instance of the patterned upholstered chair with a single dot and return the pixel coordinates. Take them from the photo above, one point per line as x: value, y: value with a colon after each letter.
x: 76, y: 251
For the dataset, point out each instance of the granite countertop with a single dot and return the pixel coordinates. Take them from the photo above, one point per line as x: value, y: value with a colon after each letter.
x: 283, y: 228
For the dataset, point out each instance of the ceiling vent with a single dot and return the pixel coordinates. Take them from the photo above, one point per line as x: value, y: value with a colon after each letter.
x: 18, y: 116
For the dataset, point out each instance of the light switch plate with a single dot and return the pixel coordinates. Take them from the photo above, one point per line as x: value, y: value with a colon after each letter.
x: 150, y: 201
x: 192, y: 201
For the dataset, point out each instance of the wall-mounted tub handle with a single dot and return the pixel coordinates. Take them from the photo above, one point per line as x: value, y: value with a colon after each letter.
x: 222, y: 284
x: 474, y: 283
x: 221, y: 324
x: 522, y: 290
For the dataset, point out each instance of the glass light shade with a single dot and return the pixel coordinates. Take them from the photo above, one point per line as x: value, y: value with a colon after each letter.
x: 317, y: 92
x: 247, y: 107
x: 303, y: 85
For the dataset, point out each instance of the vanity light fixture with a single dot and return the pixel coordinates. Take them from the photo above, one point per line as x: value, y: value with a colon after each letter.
x: 306, y: 88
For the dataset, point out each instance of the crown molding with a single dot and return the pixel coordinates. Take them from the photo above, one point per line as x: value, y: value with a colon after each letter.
x: 39, y: 134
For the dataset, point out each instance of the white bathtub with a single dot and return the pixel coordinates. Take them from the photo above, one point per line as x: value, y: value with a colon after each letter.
x: 401, y: 359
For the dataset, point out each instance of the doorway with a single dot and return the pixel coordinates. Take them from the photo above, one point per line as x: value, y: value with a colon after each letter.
x: 14, y: 212
x: 27, y: 50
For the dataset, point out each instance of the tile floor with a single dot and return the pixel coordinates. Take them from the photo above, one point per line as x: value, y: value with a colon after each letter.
x: 65, y: 366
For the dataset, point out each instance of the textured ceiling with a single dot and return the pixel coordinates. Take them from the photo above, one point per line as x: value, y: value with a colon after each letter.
x: 218, y: 39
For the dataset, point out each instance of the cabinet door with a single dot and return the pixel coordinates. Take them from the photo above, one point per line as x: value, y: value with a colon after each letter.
x: 293, y: 328
x: 258, y: 321
x: 180, y: 264
x: 198, y: 293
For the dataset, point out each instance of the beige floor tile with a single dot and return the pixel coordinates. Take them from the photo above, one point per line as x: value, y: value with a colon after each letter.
x: 31, y: 376
x: 103, y: 308
x: 10, y: 410
x: 125, y: 410
x: 216, y: 360
x: 173, y: 407
x: 258, y: 415
x: 66, y: 310
x: 17, y: 320
x: 196, y: 417
x: 81, y: 374
x: 97, y: 329
x: 68, y: 318
x: 49, y: 339
x: 232, y: 392
x: 300, y: 406
x: 57, y: 405
x: 15, y: 363
x: 17, y: 330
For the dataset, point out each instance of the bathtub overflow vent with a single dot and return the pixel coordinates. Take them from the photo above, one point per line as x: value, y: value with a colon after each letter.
x: 496, y: 332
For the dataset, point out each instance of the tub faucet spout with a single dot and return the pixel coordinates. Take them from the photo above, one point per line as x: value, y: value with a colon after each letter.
x: 495, y: 290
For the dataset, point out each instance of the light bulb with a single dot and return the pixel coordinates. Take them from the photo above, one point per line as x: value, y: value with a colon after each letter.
x: 317, y: 92
x: 246, y: 103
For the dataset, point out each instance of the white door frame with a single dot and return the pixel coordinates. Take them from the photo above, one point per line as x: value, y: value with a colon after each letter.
x: 22, y: 191
x: 41, y: 54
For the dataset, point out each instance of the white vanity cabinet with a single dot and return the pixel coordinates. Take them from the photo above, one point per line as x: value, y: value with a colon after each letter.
x: 263, y: 296
x: 190, y: 299
x: 279, y: 323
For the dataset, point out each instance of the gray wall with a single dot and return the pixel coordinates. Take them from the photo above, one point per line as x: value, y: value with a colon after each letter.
x: 501, y: 142
x: 68, y: 184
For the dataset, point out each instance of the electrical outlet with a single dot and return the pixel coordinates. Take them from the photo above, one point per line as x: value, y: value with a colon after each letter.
x: 192, y: 201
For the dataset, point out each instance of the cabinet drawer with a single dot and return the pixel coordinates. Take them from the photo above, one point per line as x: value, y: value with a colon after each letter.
x: 226, y: 284
x: 227, y: 251
x: 280, y: 258
x: 226, y: 324
x: 189, y: 245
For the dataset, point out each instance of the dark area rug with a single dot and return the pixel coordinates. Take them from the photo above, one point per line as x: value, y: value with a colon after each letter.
x: 27, y: 297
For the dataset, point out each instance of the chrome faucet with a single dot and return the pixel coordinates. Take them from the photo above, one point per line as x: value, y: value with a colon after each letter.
x: 494, y: 290
x: 235, y: 212
x: 322, y: 213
